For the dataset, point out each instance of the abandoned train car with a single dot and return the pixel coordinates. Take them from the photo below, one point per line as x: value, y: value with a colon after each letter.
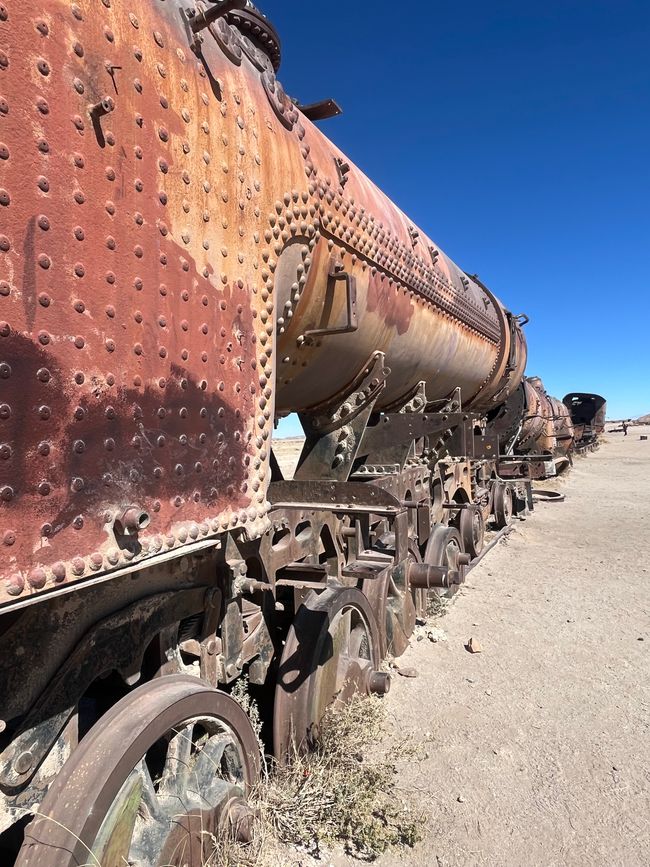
x: 185, y: 257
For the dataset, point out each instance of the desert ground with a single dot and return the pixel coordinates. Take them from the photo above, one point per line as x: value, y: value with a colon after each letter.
x: 537, y: 749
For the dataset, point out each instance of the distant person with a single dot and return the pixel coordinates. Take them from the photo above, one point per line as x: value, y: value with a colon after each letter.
x: 624, y: 428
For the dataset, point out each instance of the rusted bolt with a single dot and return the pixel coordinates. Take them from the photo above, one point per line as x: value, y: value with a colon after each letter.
x: 105, y: 106
x: 133, y: 520
x: 23, y: 762
x: 378, y: 683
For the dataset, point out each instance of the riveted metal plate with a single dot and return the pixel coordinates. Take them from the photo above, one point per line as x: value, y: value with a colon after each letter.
x: 136, y: 287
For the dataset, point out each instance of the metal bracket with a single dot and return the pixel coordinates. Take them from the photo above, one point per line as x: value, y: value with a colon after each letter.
x: 389, y: 440
x: 322, y: 110
x: 414, y: 400
x: 361, y: 393
x: 343, y: 170
x: 333, y: 431
x: 453, y: 403
x: 351, y: 497
x: 486, y: 446
x: 199, y: 19
x: 337, y: 272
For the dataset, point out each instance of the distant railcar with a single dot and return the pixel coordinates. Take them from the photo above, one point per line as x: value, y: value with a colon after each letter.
x: 588, y: 412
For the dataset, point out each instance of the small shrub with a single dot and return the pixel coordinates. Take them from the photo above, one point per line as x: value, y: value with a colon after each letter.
x: 436, y: 605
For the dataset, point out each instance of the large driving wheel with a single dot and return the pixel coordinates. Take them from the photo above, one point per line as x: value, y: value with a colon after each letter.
x: 445, y: 548
x: 472, y: 530
x: 153, y: 783
x: 502, y: 505
x: 395, y: 605
x: 332, y: 651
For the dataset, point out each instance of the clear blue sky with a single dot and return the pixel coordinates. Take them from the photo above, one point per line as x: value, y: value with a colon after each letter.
x: 517, y: 135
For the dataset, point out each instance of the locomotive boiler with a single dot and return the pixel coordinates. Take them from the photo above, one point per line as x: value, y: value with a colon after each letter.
x: 185, y: 258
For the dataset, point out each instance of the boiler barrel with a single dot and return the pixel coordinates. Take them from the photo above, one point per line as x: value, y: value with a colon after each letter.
x: 374, y: 281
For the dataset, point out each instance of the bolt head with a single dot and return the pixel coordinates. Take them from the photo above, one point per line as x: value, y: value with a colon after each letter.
x: 23, y: 762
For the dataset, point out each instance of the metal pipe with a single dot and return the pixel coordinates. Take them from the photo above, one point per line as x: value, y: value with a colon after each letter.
x: 504, y: 532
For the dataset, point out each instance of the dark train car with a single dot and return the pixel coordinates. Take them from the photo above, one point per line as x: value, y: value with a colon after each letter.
x: 588, y: 412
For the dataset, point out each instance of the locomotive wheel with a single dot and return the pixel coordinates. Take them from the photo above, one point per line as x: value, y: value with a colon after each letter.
x: 472, y: 531
x: 165, y: 769
x: 445, y: 548
x: 502, y: 505
x: 332, y: 651
x: 395, y: 606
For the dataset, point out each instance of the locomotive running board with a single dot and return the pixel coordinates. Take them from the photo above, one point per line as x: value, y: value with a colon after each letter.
x: 334, y: 496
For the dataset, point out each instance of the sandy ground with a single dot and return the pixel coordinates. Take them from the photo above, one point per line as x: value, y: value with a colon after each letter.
x: 287, y: 451
x: 539, y: 749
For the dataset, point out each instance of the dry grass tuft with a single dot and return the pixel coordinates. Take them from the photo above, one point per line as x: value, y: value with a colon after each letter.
x: 436, y: 605
x: 342, y: 792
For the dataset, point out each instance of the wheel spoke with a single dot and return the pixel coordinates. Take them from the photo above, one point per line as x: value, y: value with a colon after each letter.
x: 149, y: 797
x: 113, y: 842
x: 212, y: 765
x: 344, y: 629
x: 359, y: 642
x: 177, y: 762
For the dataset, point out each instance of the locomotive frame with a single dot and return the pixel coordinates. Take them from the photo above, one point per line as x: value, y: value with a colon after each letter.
x: 183, y: 250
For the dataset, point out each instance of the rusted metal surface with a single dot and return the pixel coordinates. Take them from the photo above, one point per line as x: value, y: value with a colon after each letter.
x: 146, y: 183
x: 136, y: 282
x: 183, y: 258
x: 407, y: 291
x: 564, y: 432
x: 538, y: 429
x: 445, y: 550
x: 547, y: 425
x: 502, y: 505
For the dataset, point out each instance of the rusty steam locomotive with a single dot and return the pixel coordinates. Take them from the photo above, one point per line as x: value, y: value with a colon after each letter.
x: 185, y: 258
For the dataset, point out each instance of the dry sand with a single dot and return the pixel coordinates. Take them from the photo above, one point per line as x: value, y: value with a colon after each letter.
x: 540, y: 745
x: 287, y: 451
